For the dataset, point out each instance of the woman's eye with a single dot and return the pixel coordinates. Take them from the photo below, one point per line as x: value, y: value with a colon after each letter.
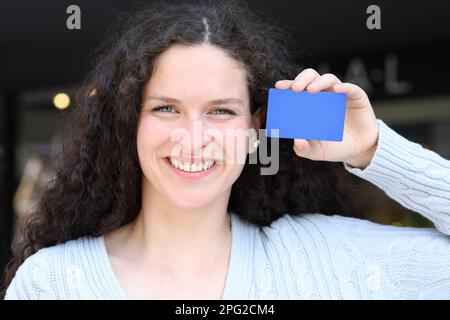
x: 163, y: 108
x: 170, y: 109
x: 224, y: 111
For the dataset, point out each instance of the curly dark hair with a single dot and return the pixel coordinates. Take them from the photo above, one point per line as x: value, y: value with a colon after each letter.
x: 97, y: 184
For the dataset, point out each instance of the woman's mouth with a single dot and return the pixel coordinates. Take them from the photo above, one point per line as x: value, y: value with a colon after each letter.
x: 192, y: 170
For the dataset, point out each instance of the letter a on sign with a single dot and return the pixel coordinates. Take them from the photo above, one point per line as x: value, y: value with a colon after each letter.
x: 74, y: 20
x: 374, y: 20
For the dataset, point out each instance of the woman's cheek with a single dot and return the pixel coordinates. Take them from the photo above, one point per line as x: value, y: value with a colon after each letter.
x: 152, y: 133
x: 150, y: 139
x: 236, y: 146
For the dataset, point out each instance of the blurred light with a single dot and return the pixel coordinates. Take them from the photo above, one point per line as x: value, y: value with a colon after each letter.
x: 61, y: 100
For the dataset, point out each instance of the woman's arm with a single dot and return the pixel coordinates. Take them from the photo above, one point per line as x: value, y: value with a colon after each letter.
x: 389, y: 262
x: 385, y: 261
x: 415, y: 177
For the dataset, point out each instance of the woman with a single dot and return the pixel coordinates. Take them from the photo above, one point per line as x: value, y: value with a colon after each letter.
x: 127, y: 218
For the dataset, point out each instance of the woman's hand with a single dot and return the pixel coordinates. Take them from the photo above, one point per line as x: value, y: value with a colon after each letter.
x: 360, y: 129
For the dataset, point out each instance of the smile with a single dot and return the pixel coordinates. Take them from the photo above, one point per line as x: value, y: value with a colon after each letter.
x: 192, y: 171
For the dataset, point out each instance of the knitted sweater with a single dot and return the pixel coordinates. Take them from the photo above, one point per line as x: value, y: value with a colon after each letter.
x: 306, y: 256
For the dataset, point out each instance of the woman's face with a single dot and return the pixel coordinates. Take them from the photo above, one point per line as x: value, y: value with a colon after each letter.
x: 181, y: 126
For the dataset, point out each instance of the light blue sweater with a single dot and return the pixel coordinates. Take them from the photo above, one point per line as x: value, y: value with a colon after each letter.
x: 307, y: 256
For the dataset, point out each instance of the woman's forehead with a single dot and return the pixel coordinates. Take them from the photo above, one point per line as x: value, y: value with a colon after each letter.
x: 197, y: 62
x: 183, y: 72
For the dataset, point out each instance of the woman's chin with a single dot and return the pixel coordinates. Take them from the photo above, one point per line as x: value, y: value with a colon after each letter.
x: 191, y: 201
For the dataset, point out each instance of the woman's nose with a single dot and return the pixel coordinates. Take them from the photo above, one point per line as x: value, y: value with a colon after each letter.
x: 196, y: 135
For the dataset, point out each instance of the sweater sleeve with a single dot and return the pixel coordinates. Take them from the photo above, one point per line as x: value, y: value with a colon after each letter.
x: 415, y: 177
x: 391, y: 262
x: 31, y: 281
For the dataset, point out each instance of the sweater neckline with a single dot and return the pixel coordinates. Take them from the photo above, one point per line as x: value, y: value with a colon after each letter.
x: 237, y: 283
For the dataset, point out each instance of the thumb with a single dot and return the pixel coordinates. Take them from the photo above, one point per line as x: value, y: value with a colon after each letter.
x: 301, y: 147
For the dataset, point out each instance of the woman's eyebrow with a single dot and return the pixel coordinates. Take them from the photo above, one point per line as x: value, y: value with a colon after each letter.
x: 211, y: 102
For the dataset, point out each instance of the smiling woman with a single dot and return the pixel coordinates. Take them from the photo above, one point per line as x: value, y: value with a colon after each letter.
x: 175, y: 67
x: 136, y: 211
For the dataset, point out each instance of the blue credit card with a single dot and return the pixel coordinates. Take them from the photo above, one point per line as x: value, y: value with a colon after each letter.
x: 304, y: 115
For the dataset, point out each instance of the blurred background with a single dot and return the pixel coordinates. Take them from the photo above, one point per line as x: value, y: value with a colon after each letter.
x: 404, y: 67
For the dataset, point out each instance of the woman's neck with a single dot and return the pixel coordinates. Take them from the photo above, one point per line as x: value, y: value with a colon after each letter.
x: 190, y: 241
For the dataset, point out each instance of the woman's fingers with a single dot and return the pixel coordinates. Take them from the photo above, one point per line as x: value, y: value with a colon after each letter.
x: 324, y: 82
x: 301, y: 147
x: 283, y: 84
x: 304, y: 79
x: 353, y: 91
x: 310, y: 80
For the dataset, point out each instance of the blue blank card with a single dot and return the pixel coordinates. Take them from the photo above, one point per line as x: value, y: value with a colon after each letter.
x: 304, y: 115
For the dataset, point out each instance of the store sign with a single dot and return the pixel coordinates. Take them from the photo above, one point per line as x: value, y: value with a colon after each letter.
x: 409, y: 73
x: 386, y: 76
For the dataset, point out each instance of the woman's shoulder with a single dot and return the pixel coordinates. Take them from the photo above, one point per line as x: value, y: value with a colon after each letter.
x: 359, y: 235
x: 66, y: 252
x: 41, y: 274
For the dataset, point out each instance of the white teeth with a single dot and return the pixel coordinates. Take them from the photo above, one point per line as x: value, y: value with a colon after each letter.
x: 174, y: 163
x: 194, y: 167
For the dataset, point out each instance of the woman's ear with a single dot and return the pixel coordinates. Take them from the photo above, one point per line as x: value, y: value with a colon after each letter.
x: 257, y: 118
x: 256, y: 124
